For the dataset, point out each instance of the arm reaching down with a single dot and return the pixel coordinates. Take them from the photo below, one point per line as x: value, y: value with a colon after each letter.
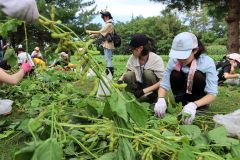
x: 15, y: 78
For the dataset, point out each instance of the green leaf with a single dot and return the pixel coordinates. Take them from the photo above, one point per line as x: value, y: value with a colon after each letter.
x: 97, y: 105
x: 170, y: 119
x: 24, y: 126
x: 186, y: 153
x: 25, y: 84
x: 211, y: 156
x: 201, y: 141
x: 2, y: 123
x: 167, y: 133
x: 218, y: 135
x: 92, y: 139
x: 10, y: 26
x: 77, y: 133
x: 70, y: 150
x: 35, y: 103
x: 118, y: 105
x: 36, y: 100
x: 171, y: 104
x: 91, y: 110
x: 232, y: 141
x: 235, y: 151
x: 183, y: 139
x: 11, y: 57
x: 25, y: 153
x: 8, y: 53
x: 190, y: 130
x: 107, y: 112
x: 108, y: 156
x: 125, y: 150
x: 62, y: 96
x: 48, y: 150
x: 34, y: 124
x: 6, y: 134
x: 138, y: 113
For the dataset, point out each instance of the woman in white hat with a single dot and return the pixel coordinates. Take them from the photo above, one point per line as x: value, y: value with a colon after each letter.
x: 190, y: 74
x: 36, y: 53
x: 23, y: 56
x: 62, y: 61
x: 227, y: 69
x: 38, y: 58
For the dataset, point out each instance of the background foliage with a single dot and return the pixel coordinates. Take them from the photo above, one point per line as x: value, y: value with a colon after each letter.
x: 210, y: 28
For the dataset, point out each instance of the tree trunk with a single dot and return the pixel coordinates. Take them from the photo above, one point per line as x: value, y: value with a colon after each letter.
x: 233, y: 24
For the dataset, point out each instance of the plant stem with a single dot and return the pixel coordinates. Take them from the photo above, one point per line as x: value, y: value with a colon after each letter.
x: 82, y: 146
x: 26, y: 38
x: 78, y: 126
x: 52, y: 121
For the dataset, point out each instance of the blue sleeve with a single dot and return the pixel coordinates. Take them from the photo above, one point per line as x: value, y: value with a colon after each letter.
x: 211, y: 79
x: 165, y: 83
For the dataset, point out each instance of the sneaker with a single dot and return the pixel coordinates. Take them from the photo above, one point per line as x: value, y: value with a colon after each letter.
x: 5, y: 106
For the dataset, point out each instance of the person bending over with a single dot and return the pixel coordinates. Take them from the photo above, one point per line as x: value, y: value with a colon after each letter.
x: 190, y: 74
x: 144, y: 68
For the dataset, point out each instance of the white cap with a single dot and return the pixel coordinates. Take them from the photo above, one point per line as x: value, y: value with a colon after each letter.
x: 20, y: 46
x: 64, y: 54
x: 234, y: 56
x: 182, y: 45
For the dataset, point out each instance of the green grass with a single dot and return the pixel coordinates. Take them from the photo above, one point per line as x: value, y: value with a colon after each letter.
x: 227, y: 99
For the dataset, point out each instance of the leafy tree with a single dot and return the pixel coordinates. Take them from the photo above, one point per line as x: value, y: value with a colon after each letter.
x: 161, y: 28
x: 198, y: 20
x: 230, y: 9
x: 73, y: 13
x: 207, y: 28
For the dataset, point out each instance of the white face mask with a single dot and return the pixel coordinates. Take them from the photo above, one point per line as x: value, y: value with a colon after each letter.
x: 235, y: 65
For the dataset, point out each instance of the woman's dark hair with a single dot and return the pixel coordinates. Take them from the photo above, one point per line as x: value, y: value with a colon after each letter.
x: 20, y: 49
x: 201, y: 49
x: 106, y: 14
x: 149, y: 47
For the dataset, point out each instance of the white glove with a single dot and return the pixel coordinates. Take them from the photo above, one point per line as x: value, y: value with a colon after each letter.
x: 23, y: 9
x: 160, y: 107
x: 188, y: 113
x: 5, y: 106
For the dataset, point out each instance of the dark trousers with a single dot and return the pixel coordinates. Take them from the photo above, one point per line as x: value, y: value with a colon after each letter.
x: 178, y: 82
x: 149, y: 79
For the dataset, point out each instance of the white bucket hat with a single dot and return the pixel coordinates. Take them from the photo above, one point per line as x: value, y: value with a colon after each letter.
x: 64, y: 54
x: 20, y: 46
x: 234, y: 56
x: 182, y: 45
